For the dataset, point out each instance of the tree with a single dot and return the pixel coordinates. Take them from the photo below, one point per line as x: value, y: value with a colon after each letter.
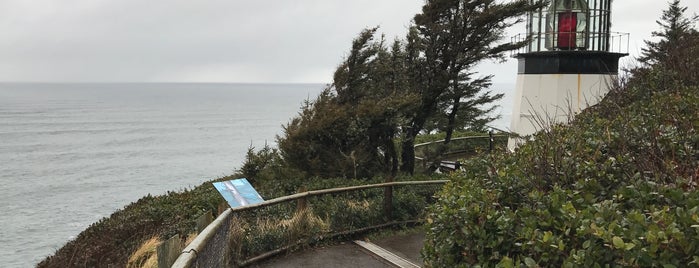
x: 348, y: 130
x: 667, y: 63
x: 463, y: 106
x: 448, y: 39
x: 379, y: 94
x: 675, y: 29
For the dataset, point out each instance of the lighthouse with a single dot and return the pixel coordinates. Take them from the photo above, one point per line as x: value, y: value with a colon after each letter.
x: 570, y: 62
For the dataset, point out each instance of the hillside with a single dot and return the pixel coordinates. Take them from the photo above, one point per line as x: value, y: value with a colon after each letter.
x: 617, y: 186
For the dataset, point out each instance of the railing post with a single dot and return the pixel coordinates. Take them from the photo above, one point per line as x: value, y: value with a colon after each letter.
x: 222, y: 207
x: 302, y: 202
x: 168, y: 251
x: 388, y: 199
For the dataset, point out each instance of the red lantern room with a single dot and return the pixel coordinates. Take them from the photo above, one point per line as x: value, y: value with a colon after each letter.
x: 566, y: 32
x: 566, y: 21
x: 573, y: 25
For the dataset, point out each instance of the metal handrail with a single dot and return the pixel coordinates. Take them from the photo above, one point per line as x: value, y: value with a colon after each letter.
x: 618, y: 42
x: 459, y: 139
x: 189, y: 254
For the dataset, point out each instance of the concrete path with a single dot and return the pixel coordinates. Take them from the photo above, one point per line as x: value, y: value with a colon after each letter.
x: 349, y: 254
x: 407, y: 246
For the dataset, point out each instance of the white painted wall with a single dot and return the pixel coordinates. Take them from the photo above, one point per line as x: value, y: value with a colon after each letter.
x: 545, y: 99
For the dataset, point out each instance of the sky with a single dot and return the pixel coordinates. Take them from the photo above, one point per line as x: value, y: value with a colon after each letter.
x: 272, y: 41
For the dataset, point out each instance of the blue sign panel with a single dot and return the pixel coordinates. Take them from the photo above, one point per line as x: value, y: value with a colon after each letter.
x: 238, y: 192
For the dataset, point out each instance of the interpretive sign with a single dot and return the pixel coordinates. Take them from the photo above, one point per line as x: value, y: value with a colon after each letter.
x: 238, y: 192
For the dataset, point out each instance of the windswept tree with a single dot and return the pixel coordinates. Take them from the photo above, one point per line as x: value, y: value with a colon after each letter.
x: 465, y: 106
x: 449, y: 38
x: 348, y: 131
x: 379, y: 93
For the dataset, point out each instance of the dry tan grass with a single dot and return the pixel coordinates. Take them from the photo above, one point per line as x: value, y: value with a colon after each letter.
x: 236, y: 236
x: 360, y: 205
x: 302, y: 224
x: 146, y: 255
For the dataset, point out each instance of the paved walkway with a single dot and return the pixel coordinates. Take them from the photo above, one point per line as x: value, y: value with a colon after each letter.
x: 394, y: 251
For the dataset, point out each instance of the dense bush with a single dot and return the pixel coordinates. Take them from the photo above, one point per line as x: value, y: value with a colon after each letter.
x: 615, y: 187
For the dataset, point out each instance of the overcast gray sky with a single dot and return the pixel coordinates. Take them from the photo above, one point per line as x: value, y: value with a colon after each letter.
x: 272, y: 41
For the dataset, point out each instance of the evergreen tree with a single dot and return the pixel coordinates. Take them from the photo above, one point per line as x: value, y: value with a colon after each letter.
x: 675, y: 29
x: 348, y: 130
x: 464, y: 106
x: 379, y: 94
x: 665, y: 62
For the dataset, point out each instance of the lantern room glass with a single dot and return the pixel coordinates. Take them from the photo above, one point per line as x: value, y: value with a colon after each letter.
x: 566, y: 25
x: 570, y: 25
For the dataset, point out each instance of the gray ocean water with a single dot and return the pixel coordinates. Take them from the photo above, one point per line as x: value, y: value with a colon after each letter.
x: 71, y: 154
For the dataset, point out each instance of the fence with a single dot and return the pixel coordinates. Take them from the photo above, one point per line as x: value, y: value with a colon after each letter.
x: 244, y: 235
x: 457, y: 148
x: 614, y: 42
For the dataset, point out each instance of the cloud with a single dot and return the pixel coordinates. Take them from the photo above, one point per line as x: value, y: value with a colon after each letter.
x: 216, y: 40
x: 253, y: 41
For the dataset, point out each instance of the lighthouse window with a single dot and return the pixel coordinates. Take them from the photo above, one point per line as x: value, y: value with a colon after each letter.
x: 567, y: 25
x: 567, y: 29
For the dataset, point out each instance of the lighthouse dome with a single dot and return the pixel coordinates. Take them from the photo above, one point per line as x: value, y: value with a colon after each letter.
x: 572, y: 25
x: 566, y: 22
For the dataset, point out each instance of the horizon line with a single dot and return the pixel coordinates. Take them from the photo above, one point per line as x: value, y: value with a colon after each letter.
x: 152, y: 82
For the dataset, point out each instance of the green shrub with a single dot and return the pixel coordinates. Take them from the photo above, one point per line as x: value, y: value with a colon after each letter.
x: 616, y: 187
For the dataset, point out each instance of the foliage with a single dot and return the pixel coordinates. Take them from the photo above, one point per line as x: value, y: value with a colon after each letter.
x: 419, y: 84
x: 448, y: 39
x: 619, y: 190
x: 270, y: 174
x: 348, y: 130
x: 670, y: 62
x: 616, y: 187
x: 259, y: 161
x: 461, y: 108
x: 255, y: 232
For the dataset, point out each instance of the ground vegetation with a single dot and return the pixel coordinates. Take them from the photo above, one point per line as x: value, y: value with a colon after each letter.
x: 615, y: 187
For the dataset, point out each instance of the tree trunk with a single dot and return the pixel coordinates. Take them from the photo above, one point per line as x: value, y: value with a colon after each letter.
x: 388, y: 200
x: 408, y: 153
x: 391, y: 157
x: 450, y: 125
x: 427, y: 108
x: 452, y: 120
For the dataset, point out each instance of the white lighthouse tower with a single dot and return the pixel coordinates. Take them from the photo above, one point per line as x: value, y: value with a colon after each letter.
x: 570, y: 63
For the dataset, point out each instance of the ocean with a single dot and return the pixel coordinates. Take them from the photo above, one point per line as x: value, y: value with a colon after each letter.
x: 71, y: 154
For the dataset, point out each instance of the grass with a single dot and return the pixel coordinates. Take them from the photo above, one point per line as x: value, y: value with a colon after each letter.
x: 146, y: 255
